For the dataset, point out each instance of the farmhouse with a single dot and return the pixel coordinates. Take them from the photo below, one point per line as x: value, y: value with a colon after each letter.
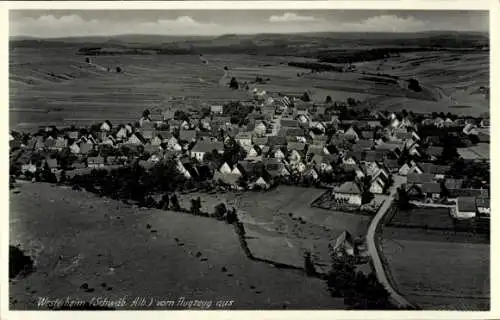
x: 349, y: 192
x: 344, y: 245
x: 201, y: 148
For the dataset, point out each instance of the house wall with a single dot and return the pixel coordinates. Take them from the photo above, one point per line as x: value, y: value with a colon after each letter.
x: 351, y: 198
x: 466, y: 214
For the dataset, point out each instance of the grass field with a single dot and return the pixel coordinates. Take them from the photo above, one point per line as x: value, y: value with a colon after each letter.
x: 440, y: 275
x: 281, y: 224
x: 55, y: 86
x: 437, y: 263
x: 103, y: 241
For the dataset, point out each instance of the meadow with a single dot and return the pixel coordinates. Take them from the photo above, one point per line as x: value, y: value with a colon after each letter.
x: 53, y: 85
x: 280, y: 224
x: 77, y: 238
x: 434, y: 265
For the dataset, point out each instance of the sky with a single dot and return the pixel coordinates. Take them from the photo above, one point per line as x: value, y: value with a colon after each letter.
x: 70, y: 23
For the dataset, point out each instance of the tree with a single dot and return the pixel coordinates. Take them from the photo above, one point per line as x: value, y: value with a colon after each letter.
x: 196, y: 206
x: 220, y: 211
x: 340, y: 278
x: 231, y: 216
x: 63, y: 178
x: 366, y: 195
x: 233, y: 84
x: 306, y: 97
x: 164, y: 202
x: 118, y: 69
x: 175, y: 203
x: 146, y: 113
x: 328, y: 99
x: 414, y: 85
x: 402, y: 199
x: 87, y: 60
x: 308, y: 264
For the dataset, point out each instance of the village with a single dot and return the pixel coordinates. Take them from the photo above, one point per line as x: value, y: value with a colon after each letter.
x: 263, y: 142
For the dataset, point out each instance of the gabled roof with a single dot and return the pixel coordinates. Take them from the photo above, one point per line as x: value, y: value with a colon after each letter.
x: 466, y: 204
x: 298, y: 146
x: 433, y: 169
x: 207, y: 146
x: 277, y: 141
x: 419, y: 178
x: 434, y: 151
x: 431, y: 187
x: 349, y: 187
x: 374, y: 156
x: 187, y: 135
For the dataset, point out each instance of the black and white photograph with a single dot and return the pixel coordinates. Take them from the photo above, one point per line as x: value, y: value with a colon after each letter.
x: 249, y: 159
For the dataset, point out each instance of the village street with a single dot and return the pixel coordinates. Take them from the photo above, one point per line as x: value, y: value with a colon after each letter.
x: 372, y: 245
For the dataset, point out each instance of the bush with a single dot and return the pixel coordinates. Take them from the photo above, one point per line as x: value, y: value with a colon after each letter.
x: 118, y: 69
x: 233, y: 84
x: 18, y: 262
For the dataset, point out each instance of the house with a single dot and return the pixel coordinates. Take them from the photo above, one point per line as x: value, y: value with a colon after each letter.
x: 297, y: 146
x: 260, y: 141
x: 470, y: 129
x: 152, y: 149
x: 135, y: 139
x: 147, y: 134
x: 201, y: 148
x: 279, y: 154
x: 73, y: 135
x: 85, y: 148
x: 95, y: 162
x: 216, y: 109
x: 262, y: 183
x: 344, y: 245
x: 225, y: 168
x: 108, y: 140
x: 187, y: 135
x: 409, y: 167
x: 122, y: 133
x: 377, y: 186
x: 362, y: 145
x: 173, y: 144
x: 466, y: 207
x: 351, y: 134
x: 244, y: 139
x: 260, y: 129
x: 156, y: 140
x: 483, y: 207
x: 29, y: 167
x: 419, y: 179
x: 106, y: 126
x: 53, y: 164
x: 74, y: 148
x: 349, y: 192
x: 431, y: 190
x: 311, y: 173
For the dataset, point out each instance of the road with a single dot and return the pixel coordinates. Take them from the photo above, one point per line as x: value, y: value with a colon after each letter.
x: 372, y: 245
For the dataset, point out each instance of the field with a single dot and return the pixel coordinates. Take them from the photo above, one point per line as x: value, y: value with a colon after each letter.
x: 440, y: 275
x: 281, y: 224
x: 55, y: 86
x: 76, y: 238
x: 432, y: 264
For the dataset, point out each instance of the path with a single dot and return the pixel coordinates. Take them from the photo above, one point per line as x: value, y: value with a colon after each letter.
x: 373, y: 250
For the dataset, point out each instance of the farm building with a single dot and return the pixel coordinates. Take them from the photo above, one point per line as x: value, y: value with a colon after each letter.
x: 348, y: 191
x: 466, y: 207
x: 344, y: 245
x: 201, y: 148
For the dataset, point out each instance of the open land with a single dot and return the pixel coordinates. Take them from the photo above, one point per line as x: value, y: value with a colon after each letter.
x: 280, y: 224
x: 436, y: 269
x: 59, y: 88
x: 105, y: 241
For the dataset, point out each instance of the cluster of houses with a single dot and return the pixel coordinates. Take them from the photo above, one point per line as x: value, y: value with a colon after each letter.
x: 284, y: 138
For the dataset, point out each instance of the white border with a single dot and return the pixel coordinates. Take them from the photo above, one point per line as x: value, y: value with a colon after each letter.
x: 492, y: 5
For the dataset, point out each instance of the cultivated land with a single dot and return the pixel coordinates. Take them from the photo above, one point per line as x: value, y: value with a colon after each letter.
x: 280, y: 224
x: 53, y: 85
x: 105, y: 241
x: 436, y: 269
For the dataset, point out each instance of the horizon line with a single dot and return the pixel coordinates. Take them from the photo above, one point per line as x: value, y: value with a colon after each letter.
x: 248, y: 34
